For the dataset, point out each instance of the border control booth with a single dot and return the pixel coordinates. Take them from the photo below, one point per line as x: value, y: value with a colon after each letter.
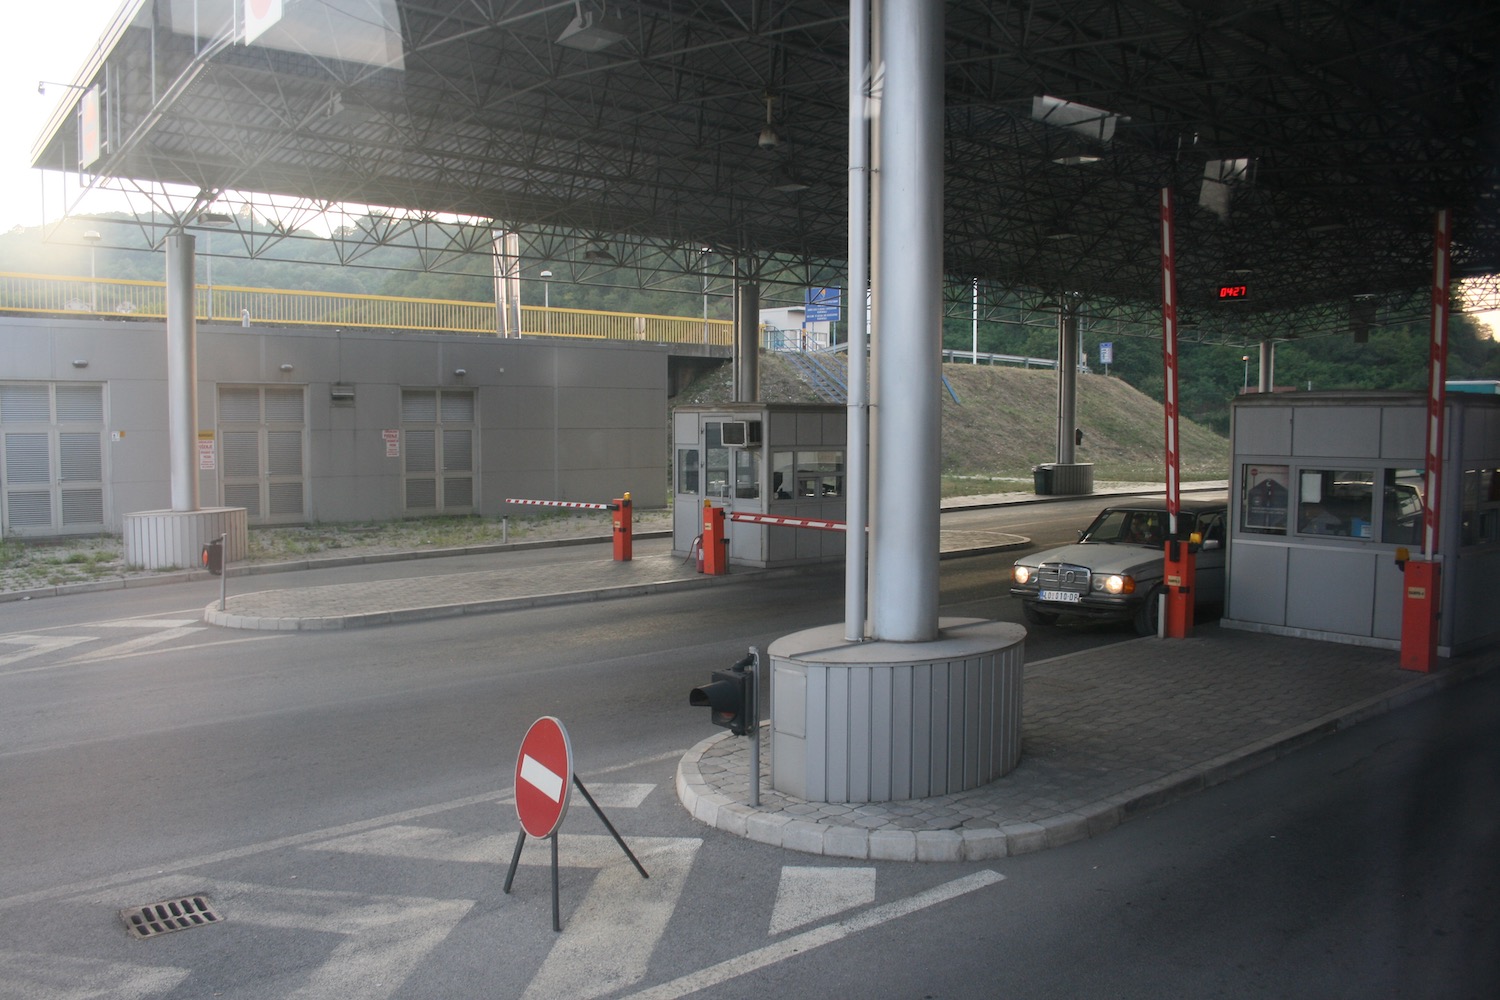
x: 1325, y: 488
x: 785, y: 459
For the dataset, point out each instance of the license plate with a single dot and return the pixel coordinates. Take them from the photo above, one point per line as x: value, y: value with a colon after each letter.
x: 1064, y: 596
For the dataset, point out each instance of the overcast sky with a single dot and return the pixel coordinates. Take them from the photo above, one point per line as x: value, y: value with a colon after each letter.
x: 39, y: 40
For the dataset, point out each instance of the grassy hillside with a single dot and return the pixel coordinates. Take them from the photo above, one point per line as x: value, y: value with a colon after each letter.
x: 1004, y: 423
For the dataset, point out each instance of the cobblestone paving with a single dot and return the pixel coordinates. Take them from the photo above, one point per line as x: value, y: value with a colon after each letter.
x: 1106, y: 734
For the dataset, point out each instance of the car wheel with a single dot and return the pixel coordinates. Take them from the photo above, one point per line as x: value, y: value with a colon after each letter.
x: 1145, y: 617
x: 1036, y: 616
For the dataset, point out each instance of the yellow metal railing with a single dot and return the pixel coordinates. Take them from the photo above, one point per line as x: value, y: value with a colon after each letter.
x: 116, y: 298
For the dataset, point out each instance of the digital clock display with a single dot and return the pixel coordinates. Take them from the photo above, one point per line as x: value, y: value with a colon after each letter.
x: 1233, y: 291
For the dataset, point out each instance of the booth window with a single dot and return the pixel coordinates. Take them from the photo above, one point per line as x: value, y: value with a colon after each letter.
x: 806, y: 475
x: 687, y: 471
x: 1401, y: 507
x: 1480, y: 521
x: 1335, y: 502
x: 715, y: 461
x: 1263, y: 506
x: 746, y: 474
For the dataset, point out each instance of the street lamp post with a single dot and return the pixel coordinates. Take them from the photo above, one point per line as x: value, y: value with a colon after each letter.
x: 92, y: 238
x: 546, y: 277
x: 1246, y: 387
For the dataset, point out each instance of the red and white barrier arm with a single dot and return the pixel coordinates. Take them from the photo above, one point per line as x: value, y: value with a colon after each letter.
x: 789, y: 522
x: 562, y: 503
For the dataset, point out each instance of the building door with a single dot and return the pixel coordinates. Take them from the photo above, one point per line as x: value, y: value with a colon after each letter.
x: 52, y: 467
x: 261, y: 446
x: 437, y: 427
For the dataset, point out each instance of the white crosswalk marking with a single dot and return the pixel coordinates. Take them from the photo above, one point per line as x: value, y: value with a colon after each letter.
x: 809, y: 894
x: 25, y: 976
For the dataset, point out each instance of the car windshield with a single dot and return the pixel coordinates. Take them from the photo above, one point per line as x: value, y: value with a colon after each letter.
x: 1123, y: 526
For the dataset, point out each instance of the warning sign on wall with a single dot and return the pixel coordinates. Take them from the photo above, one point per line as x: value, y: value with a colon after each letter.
x: 392, y: 443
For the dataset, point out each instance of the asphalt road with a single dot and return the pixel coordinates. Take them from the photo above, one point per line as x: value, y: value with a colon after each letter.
x: 343, y: 798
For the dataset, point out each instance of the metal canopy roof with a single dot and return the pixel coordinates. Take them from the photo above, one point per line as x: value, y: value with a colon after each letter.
x: 1342, y: 126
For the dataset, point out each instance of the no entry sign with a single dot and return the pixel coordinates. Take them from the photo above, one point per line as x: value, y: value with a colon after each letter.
x: 544, y: 777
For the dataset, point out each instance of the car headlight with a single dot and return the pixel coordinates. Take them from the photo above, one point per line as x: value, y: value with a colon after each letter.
x: 1021, y: 574
x: 1115, y: 583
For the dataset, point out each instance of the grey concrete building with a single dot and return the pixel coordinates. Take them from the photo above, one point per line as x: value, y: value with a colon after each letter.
x: 303, y: 425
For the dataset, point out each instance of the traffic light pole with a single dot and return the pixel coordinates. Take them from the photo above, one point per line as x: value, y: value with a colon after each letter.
x: 754, y: 730
x: 223, y: 573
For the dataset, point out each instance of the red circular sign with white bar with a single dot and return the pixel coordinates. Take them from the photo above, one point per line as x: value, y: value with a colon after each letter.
x: 544, y: 777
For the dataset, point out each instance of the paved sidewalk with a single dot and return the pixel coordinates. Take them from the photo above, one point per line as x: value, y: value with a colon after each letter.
x: 423, y: 595
x: 1107, y: 733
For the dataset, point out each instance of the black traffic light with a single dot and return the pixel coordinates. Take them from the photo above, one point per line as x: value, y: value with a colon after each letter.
x: 213, y: 556
x: 730, y: 698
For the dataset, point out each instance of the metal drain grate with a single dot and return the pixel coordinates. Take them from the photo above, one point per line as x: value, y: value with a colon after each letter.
x: 170, y: 915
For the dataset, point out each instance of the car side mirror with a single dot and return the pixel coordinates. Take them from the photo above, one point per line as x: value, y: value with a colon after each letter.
x: 1210, y: 544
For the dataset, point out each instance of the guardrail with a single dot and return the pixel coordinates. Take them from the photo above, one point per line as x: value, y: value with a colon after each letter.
x: 113, y: 298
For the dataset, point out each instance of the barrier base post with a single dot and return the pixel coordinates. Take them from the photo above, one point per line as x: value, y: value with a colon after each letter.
x: 622, y: 521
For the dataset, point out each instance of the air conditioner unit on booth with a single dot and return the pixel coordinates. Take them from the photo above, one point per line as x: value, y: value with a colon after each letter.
x: 745, y: 433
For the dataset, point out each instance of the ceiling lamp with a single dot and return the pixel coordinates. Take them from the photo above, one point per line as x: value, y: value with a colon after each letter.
x: 1092, y: 123
x: 1219, y: 177
x: 598, y: 253
x: 768, y: 137
x: 786, y: 180
x: 591, y: 31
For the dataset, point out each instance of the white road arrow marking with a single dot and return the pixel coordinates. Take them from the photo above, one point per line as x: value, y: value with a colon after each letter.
x: 806, y: 895
x: 622, y: 916
x: 607, y: 942
x: 36, y: 645
x: 542, y: 777
x: 134, y: 645
x: 27, y: 976
x: 385, y: 937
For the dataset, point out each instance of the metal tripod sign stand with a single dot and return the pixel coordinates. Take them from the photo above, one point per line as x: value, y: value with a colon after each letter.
x: 544, y: 782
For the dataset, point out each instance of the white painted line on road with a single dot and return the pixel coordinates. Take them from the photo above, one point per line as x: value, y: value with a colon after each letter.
x: 800, y: 944
x: 35, y: 976
x: 133, y: 645
x: 581, y: 850
x: 36, y: 645
x: 106, y: 656
x: 807, y: 895
x: 607, y: 942
x: 51, y: 895
x: 542, y: 778
x: 623, y: 916
x: 385, y: 938
x: 150, y: 623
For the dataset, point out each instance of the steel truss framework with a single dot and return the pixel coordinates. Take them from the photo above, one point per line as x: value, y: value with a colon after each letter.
x: 1344, y: 125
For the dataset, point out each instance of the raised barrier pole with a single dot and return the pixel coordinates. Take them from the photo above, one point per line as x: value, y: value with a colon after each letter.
x: 624, y: 543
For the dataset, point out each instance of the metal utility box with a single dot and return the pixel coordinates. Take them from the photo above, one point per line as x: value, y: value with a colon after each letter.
x: 782, y: 459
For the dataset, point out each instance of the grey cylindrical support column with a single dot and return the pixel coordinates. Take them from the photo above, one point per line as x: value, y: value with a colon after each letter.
x: 904, y: 543
x: 182, y: 372
x: 1267, y: 365
x: 856, y: 514
x: 746, y: 342
x: 1067, y: 379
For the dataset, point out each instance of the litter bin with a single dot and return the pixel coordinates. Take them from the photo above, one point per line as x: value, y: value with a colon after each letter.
x: 1042, y: 479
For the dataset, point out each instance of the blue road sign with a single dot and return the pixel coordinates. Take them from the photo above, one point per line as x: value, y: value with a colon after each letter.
x: 823, y: 306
